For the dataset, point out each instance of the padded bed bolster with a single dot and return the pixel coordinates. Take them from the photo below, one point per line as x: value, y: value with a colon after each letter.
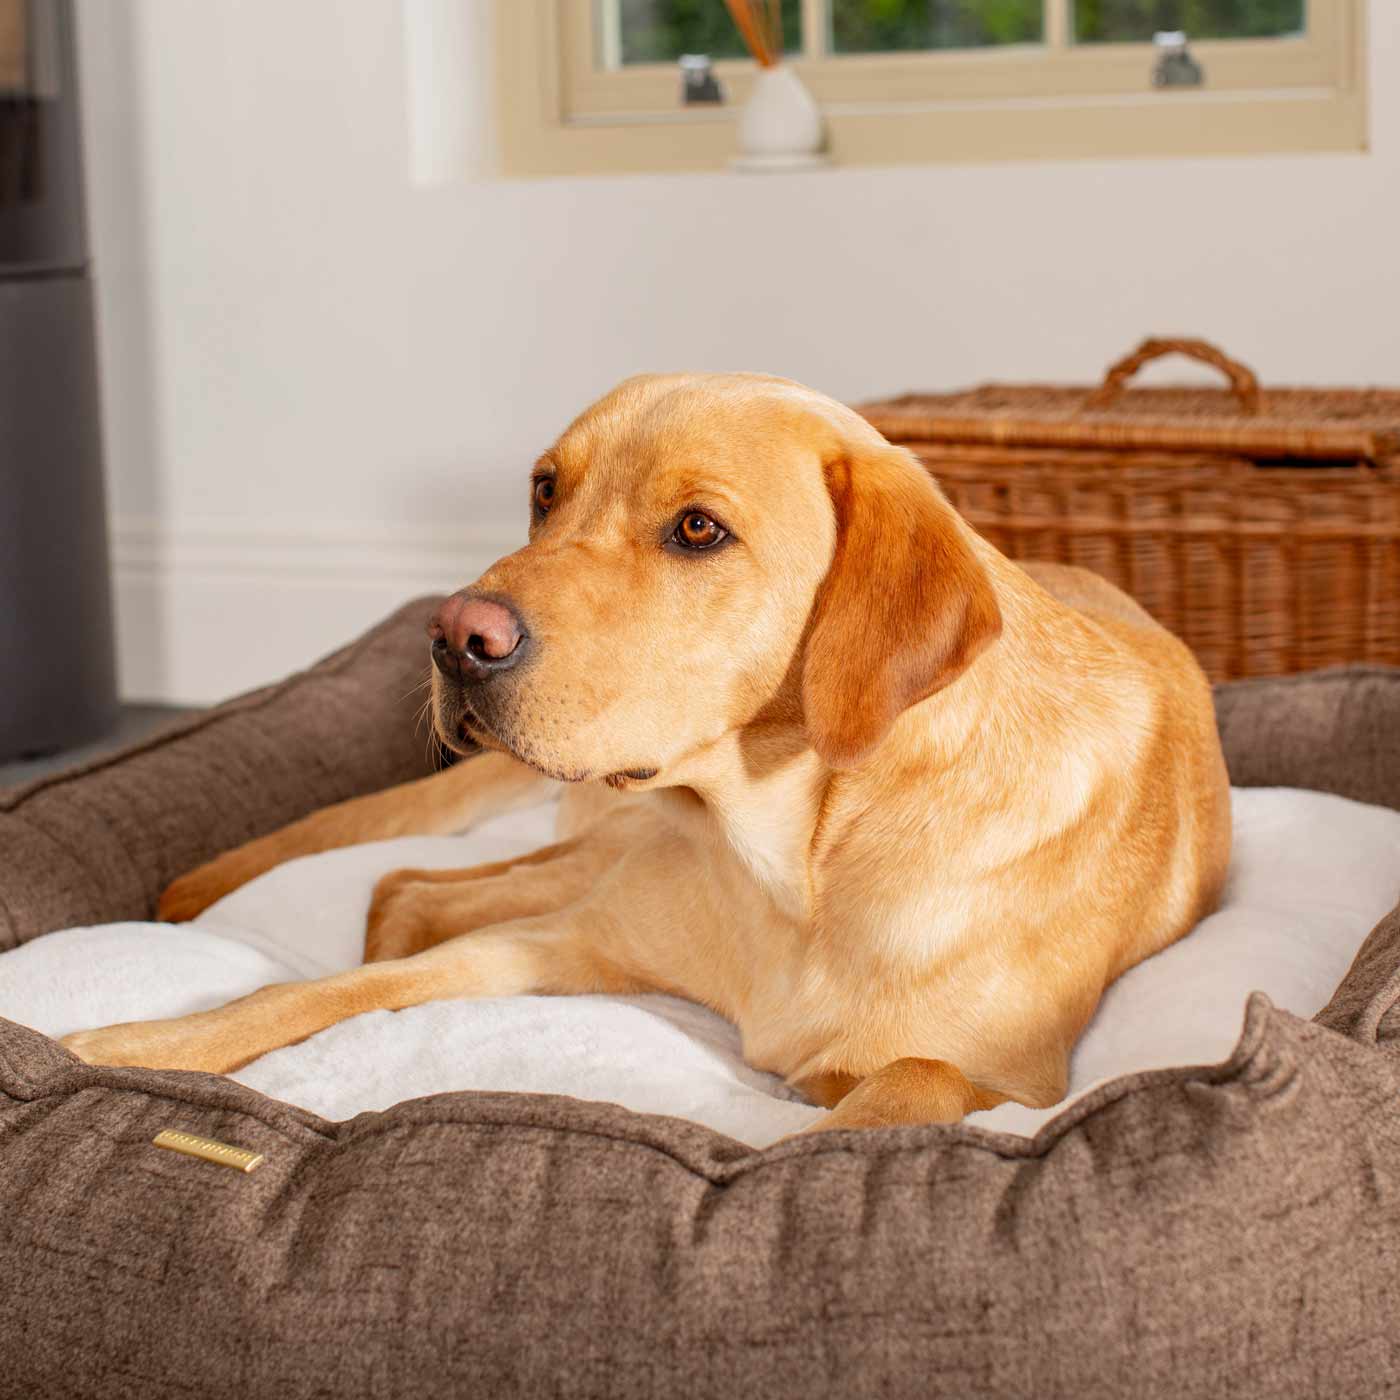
x: 99, y: 843
x: 1336, y: 730
x: 1366, y: 1005
x: 1175, y: 1234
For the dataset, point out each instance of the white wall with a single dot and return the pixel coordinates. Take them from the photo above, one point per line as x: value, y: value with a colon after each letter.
x: 329, y: 360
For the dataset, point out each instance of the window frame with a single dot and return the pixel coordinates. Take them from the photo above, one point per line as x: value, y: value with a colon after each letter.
x: 562, y: 115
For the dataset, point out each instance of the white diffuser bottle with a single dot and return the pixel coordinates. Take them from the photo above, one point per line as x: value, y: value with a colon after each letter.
x: 780, y: 127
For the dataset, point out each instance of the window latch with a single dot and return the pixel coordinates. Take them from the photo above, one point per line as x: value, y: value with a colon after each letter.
x: 698, y: 82
x: 1175, y: 67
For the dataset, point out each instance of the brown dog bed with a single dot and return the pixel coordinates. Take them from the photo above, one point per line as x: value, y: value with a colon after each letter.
x: 1225, y: 1230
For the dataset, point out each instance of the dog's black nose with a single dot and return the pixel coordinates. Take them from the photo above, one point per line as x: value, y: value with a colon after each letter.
x: 475, y: 638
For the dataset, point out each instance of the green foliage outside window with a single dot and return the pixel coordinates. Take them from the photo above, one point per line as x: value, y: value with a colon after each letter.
x: 659, y: 31
x: 882, y: 26
x: 1136, y: 21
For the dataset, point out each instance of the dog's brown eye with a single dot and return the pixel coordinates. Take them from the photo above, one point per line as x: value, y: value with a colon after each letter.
x: 698, y: 531
x: 544, y: 494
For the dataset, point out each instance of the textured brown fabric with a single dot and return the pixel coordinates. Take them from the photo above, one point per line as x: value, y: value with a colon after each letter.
x: 1366, y: 1006
x: 1232, y: 1230
x: 1336, y: 730
x: 100, y: 842
x: 1223, y: 1231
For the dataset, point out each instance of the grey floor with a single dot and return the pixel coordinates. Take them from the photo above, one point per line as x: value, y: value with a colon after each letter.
x: 135, y: 722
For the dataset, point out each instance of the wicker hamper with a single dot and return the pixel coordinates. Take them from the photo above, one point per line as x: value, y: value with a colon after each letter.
x: 1262, y: 526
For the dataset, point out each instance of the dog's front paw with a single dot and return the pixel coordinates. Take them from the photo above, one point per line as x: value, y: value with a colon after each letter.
x: 107, y: 1045
x: 394, y: 928
x: 194, y: 892
x: 189, y: 895
x: 150, y: 1044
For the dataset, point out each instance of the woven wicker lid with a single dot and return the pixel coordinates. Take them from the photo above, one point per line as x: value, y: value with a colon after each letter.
x: 1245, y: 420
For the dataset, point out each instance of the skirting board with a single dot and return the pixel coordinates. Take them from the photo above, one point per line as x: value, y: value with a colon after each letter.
x: 206, y: 610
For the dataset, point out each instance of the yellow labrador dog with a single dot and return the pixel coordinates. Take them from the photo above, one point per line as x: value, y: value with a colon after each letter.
x: 831, y: 764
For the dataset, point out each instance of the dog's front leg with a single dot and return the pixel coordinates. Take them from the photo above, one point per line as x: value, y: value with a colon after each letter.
x: 452, y: 800
x: 413, y: 910
x: 530, y: 955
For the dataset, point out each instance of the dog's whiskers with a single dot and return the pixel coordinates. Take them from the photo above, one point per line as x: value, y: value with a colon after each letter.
x: 424, y: 684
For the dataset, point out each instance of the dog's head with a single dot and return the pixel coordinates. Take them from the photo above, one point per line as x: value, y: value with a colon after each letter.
x: 708, y: 552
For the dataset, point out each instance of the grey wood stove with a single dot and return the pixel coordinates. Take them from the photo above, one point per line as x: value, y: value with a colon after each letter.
x: 57, y: 686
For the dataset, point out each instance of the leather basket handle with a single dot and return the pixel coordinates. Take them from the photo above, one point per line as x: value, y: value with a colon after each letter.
x: 1242, y: 380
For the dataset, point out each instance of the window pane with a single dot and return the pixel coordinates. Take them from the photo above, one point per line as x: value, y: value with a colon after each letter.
x: 882, y: 26
x: 660, y: 31
x: 1136, y: 21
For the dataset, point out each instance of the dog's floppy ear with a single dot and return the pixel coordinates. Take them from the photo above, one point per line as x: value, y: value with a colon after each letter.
x: 905, y: 607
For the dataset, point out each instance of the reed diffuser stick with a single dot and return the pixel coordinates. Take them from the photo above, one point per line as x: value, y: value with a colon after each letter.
x: 760, y: 22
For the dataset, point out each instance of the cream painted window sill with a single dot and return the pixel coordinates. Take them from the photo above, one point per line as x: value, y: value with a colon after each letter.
x: 559, y: 116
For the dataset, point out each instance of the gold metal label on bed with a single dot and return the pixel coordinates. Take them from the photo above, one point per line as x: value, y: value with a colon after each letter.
x: 239, y: 1158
